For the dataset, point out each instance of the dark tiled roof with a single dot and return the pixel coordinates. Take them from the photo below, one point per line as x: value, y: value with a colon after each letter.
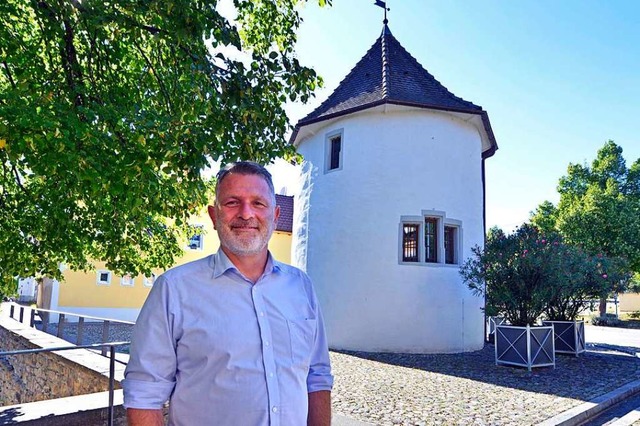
x: 285, y: 222
x: 389, y: 74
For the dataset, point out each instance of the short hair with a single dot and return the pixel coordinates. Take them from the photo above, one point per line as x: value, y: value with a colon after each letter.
x: 245, y: 168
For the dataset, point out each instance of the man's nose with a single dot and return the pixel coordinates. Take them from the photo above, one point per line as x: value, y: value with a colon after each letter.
x: 246, y: 211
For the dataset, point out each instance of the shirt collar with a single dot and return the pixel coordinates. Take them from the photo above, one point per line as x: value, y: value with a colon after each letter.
x: 221, y: 264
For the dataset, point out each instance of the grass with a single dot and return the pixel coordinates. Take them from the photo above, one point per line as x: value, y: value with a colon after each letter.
x: 627, y: 319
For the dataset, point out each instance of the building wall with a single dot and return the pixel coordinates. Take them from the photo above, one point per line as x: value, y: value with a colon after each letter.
x: 393, y: 164
x: 27, y: 290
x: 630, y: 302
x: 80, y: 293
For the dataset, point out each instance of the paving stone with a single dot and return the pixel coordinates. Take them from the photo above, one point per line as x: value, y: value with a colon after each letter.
x: 468, y: 388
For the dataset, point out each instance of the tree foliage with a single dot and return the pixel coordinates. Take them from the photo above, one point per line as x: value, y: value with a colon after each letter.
x: 599, y: 206
x: 528, y: 273
x: 110, y: 110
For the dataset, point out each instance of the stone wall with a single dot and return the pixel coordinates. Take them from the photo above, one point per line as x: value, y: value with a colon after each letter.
x: 36, y: 377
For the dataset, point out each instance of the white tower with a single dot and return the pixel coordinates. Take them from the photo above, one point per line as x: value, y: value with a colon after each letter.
x: 393, y: 204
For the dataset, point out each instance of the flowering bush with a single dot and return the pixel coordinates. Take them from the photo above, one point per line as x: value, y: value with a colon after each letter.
x: 527, y: 274
x: 580, y: 279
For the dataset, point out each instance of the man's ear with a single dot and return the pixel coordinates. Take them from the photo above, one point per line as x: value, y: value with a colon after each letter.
x: 212, y: 215
x: 276, y: 214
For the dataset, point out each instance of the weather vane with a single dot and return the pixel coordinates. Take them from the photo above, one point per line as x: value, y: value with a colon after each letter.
x: 383, y: 5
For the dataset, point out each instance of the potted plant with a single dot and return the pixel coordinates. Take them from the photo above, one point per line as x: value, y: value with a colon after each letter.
x: 515, y: 273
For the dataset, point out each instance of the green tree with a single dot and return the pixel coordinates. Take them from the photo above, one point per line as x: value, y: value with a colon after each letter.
x: 599, y: 208
x: 110, y: 110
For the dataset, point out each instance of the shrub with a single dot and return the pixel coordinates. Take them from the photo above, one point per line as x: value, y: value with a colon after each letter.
x: 609, y: 320
x: 526, y: 274
x: 513, y: 273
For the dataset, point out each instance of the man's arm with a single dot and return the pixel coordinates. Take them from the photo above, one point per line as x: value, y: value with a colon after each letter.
x: 140, y: 417
x: 319, y: 408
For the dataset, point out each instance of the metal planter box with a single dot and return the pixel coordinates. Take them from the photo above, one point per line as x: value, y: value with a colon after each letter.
x: 492, y: 322
x: 568, y: 336
x: 525, y: 346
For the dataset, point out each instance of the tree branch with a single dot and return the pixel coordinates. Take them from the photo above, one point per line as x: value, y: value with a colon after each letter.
x: 9, y: 76
x: 18, y: 180
x: 163, y: 89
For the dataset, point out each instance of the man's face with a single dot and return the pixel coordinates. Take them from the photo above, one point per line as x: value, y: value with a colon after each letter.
x: 244, y: 214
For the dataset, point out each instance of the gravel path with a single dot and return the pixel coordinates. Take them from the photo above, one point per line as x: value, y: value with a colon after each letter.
x: 469, y: 389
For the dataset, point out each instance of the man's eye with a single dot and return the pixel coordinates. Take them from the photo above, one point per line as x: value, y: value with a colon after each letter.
x: 231, y: 203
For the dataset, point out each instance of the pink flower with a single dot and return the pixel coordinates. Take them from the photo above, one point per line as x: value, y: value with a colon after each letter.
x: 604, y: 276
x: 544, y: 241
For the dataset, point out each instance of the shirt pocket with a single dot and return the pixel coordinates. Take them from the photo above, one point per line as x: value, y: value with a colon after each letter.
x: 302, y: 334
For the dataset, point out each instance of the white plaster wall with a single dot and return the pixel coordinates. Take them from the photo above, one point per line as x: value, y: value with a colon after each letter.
x: 394, y: 164
x: 27, y: 289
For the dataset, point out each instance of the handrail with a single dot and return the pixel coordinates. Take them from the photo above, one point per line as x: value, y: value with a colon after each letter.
x: 78, y: 315
x: 112, y: 363
x: 106, y: 322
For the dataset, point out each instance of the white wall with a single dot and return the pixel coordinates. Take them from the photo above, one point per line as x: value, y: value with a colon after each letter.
x: 394, y: 164
x: 27, y: 289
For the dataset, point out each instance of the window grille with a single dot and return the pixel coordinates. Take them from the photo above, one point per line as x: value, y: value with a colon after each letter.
x: 336, y: 146
x: 410, y: 243
x: 450, y: 244
x: 431, y: 239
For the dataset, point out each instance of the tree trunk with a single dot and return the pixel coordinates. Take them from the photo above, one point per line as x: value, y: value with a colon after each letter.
x: 603, y: 306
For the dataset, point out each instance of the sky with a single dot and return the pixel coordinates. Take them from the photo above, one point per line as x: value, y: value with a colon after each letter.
x: 557, y: 78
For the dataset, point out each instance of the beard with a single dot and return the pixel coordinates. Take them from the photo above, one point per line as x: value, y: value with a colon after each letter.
x: 244, y: 237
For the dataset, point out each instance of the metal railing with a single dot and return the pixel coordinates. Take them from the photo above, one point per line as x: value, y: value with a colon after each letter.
x: 44, y: 315
x: 112, y: 361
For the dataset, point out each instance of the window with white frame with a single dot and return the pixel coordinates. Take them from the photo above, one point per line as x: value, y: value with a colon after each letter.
x: 150, y: 280
x: 103, y: 277
x: 430, y: 238
x: 126, y: 280
x: 196, y: 241
x: 333, y: 151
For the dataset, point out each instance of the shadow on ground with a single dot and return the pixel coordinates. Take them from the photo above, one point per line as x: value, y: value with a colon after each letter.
x: 9, y: 417
x: 593, y: 373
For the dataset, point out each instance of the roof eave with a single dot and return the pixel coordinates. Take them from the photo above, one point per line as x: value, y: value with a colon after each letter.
x: 486, y: 124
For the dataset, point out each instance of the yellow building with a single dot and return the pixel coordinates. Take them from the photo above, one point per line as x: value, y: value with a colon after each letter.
x: 102, y: 293
x: 630, y: 302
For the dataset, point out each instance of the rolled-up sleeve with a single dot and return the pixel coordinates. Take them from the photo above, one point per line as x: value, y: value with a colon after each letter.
x: 150, y: 373
x: 320, y: 377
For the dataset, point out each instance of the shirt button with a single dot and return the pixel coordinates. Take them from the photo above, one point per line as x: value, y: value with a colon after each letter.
x: 266, y: 343
x: 261, y: 314
x: 270, y: 374
x: 274, y: 409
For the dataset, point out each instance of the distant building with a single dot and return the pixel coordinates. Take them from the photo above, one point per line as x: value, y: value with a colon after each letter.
x: 393, y: 202
x: 102, y: 293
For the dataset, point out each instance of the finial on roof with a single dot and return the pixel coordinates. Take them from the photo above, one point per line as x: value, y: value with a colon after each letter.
x: 383, y: 5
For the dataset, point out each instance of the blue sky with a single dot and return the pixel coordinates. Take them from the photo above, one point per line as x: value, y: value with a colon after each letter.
x: 558, y: 78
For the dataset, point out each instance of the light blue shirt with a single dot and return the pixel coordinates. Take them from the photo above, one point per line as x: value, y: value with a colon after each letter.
x: 226, y: 351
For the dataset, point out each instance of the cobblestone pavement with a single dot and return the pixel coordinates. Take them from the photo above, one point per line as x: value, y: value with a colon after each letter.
x: 92, y: 333
x: 469, y: 389
x: 454, y: 389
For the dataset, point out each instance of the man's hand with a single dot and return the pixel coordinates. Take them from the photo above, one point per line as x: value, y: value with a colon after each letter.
x: 319, y: 409
x: 139, y: 417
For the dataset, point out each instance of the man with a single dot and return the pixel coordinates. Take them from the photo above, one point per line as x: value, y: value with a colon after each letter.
x: 236, y: 338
